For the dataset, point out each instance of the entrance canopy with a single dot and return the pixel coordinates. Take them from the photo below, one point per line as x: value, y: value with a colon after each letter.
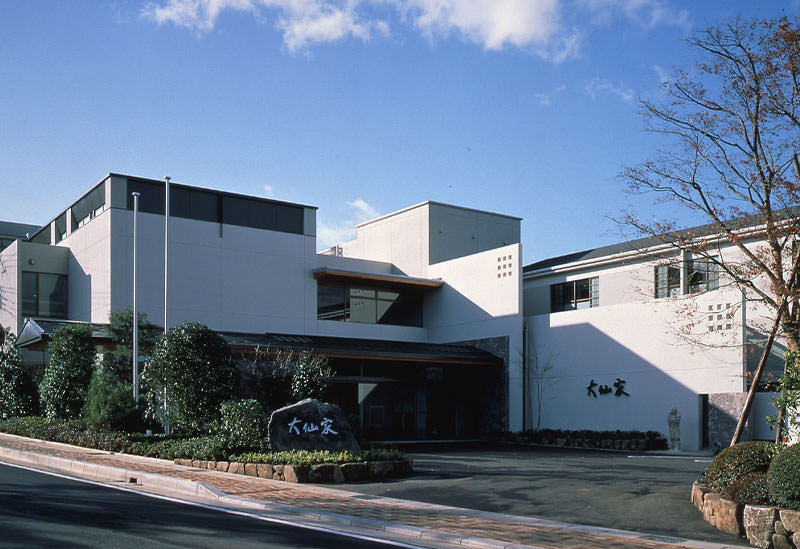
x: 373, y: 349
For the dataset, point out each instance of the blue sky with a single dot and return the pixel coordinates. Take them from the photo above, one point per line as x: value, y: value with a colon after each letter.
x: 359, y: 107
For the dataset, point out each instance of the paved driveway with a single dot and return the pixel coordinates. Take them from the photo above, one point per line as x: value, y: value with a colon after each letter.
x: 639, y: 492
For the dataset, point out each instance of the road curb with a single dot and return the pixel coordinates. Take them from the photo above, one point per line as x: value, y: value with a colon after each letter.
x: 197, y: 489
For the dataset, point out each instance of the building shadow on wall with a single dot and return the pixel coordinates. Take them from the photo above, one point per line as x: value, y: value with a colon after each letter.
x: 597, y: 383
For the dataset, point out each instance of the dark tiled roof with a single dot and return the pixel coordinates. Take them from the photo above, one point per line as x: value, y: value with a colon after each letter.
x: 17, y: 230
x: 36, y: 331
x: 646, y: 242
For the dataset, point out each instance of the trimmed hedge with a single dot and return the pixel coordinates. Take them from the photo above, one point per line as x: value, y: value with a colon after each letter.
x: 783, y: 478
x: 621, y: 440
x: 210, y: 448
x: 734, y: 464
x: 314, y: 457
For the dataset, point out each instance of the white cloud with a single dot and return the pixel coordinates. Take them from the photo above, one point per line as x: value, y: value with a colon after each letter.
x: 269, y: 190
x: 492, y: 24
x: 535, y: 26
x: 602, y: 85
x: 303, y: 22
x: 344, y: 230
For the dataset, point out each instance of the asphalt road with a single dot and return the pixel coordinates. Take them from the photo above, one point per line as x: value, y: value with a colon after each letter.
x: 38, y: 510
x: 639, y: 492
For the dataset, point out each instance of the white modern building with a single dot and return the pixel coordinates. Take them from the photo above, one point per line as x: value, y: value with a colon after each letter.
x: 432, y: 325
x: 619, y: 336
x: 420, y: 315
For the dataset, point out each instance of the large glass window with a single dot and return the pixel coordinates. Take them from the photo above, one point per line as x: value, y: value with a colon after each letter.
x: 368, y: 305
x: 573, y: 295
x: 206, y: 205
x: 702, y: 275
x: 668, y: 280
x: 44, y: 295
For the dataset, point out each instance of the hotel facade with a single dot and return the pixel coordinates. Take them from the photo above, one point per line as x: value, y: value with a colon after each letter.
x: 433, y: 326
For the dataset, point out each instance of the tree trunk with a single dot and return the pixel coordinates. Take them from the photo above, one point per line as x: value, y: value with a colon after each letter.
x: 751, y: 394
x: 791, y: 345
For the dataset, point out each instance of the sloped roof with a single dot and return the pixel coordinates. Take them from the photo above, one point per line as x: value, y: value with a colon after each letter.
x: 650, y: 241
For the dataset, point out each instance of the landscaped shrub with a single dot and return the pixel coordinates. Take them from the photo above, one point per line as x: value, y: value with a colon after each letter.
x: 314, y: 457
x: 783, y: 478
x: 243, y: 423
x: 204, y: 448
x: 17, y: 390
x: 109, y: 404
x: 119, y: 359
x: 309, y: 374
x: 735, y: 463
x: 68, y: 372
x: 194, y: 365
x: 69, y: 432
x: 750, y: 489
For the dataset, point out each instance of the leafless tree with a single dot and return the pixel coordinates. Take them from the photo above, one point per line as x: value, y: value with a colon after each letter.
x: 731, y: 130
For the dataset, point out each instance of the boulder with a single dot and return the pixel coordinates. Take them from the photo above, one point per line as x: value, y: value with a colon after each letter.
x: 759, y: 524
x: 310, y: 425
x: 251, y: 469
x: 355, y: 472
x: 265, y: 470
x: 698, y: 493
x: 295, y: 473
x: 781, y: 542
x: 790, y: 520
x: 325, y: 472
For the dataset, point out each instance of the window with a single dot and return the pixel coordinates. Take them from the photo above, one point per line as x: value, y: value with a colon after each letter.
x: 702, y: 275
x: 44, y: 295
x: 668, y: 280
x: 368, y: 305
x: 577, y: 294
x: 5, y: 243
x: 205, y: 205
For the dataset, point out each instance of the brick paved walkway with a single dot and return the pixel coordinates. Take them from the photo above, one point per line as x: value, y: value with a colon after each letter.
x: 304, y: 498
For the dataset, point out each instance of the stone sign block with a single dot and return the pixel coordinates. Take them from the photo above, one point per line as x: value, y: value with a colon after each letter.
x: 310, y: 425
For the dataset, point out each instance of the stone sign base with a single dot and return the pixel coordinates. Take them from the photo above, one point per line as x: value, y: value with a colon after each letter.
x: 762, y: 526
x: 320, y: 473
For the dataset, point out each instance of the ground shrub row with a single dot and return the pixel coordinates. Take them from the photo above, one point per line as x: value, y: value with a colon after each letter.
x: 313, y: 457
x: 757, y: 473
x: 622, y: 440
x: 211, y: 447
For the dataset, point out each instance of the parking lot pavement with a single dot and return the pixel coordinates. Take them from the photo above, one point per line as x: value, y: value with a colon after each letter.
x: 494, y: 478
x: 644, y: 492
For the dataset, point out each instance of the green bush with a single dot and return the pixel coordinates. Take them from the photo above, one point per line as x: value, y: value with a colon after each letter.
x: 17, y: 390
x: 109, y: 404
x: 732, y: 465
x: 69, y: 432
x: 68, y: 372
x: 314, y: 457
x: 750, y: 489
x: 195, y: 367
x: 119, y: 359
x: 205, y: 448
x: 783, y: 478
x: 243, y: 424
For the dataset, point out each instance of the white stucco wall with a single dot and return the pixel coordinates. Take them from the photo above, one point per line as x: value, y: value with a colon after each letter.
x: 228, y: 277
x: 9, y: 284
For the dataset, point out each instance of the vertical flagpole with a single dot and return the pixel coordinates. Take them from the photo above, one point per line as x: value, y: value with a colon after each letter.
x: 166, y: 244
x: 135, y: 314
x: 166, y: 258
